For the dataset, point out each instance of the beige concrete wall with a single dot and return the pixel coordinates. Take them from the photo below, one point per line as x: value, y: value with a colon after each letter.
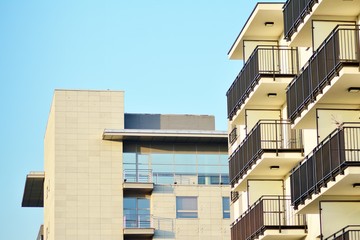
x: 83, y: 171
x: 209, y: 224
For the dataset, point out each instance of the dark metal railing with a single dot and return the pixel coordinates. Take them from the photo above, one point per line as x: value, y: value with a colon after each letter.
x: 267, y: 61
x: 340, y: 48
x: 266, y: 136
x: 294, y: 12
x: 234, y: 196
x: 233, y: 136
x: 269, y: 212
x: 330, y: 158
x: 351, y: 232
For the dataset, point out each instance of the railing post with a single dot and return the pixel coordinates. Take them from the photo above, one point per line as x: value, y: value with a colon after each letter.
x: 279, y: 207
x: 276, y: 138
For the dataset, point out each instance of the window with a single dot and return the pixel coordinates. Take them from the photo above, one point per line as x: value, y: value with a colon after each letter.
x: 137, y: 212
x: 226, y: 207
x: 186, y: 207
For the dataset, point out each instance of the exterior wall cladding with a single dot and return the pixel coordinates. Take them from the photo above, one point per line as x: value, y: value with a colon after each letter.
x: 111, y: 175
x: 293, y: 122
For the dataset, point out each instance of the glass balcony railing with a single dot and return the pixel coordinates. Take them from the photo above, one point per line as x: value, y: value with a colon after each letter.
x: 340, y: 48
x: 267, y: 213
x: 138, y: 175
x: 138, y: 221
x: 265, y: 61
x: 294, y: 12
x: 148, y: 176
x: 330, y: 158
x: 351, y: 232
x: 267, y: 136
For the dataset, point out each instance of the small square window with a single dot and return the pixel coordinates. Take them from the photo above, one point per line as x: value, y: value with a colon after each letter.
x: 226, y: 207
x: 186, y: 207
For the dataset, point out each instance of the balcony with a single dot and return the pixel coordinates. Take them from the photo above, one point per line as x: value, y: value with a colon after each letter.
x: 271, y: 141
x: 138, y: 181
x: 351, y: 232
x: 138, y: 226
x: 272, y: 218
x: 299, y: 17
x: 322, y: 74
x: 331, y: 169
x: 295, y: 12
x: 268, y: 64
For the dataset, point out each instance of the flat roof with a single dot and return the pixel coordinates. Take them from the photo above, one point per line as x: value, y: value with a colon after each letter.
x: 165, y: 135
x: 34, y: 190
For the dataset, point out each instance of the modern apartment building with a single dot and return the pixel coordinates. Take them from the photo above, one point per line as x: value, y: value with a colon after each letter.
x: 294, y: 122
x: 112, y: 175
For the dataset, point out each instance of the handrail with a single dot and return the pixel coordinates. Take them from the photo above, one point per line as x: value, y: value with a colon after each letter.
x: 294, y: 12
x: 340, y: 48
x: 264, y: 60
x: 343, y: 231
x: 138, y: 175
x: 266, y: 135
x: 273, y: 212
x: 329, y: 158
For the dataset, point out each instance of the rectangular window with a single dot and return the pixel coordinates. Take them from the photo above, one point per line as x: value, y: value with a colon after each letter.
x: 186, y: 207
x: 226, y: 207
x: 137, y: 212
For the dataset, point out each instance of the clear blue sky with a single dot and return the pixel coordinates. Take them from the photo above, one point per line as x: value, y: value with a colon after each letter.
x: 168, y: 56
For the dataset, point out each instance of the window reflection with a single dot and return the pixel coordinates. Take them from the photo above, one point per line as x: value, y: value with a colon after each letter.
x: 180, y: 167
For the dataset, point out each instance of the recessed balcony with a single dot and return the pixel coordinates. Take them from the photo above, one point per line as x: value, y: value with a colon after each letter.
x: 331, y: 171
x: 138, y: 181
x: 269, y: 69
x: 271, y: 217
x: 138, y: 226
x: 270, y: 150
x: 351, y: 232
x: 327, y: 78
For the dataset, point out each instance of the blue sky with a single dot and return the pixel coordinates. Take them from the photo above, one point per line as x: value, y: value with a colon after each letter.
x: 168, y: 57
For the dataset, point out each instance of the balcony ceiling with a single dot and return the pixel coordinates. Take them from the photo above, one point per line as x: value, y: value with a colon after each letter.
x: 255, y: 29
x: 331, y: 7
x: 165, y: 135
x: 334, y: 96
x: 335, y: 10
x: 258, y: 99
x: 261, y: 170
x: 340, y: 189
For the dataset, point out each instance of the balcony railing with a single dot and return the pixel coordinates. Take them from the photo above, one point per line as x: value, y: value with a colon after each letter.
x: 266, y: 136
x: 138, y: 175
x: 265, y: 61
x: 341, y: 48
x: 351, y: 232
x: 330, y: 158
x: 233, y: 136
x: 138, y: 221
x: 294, y: 12
x: 268, y: 213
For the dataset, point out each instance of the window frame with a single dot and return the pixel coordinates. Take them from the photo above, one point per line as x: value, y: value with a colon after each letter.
x: 186, y: 213
x: 225, y: 212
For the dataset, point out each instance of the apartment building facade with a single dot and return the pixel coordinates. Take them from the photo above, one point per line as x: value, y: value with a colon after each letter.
x: 294, y: 122
x: 112, y: 175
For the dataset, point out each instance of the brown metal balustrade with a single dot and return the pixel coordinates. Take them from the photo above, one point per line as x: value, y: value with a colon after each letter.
x: 340, y: 48
x: 268, y: 213
x: 294, y: 12
x: 265, y: 61
x: 266, y: 136
x: 351, y: 232
x: 330, y: 158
